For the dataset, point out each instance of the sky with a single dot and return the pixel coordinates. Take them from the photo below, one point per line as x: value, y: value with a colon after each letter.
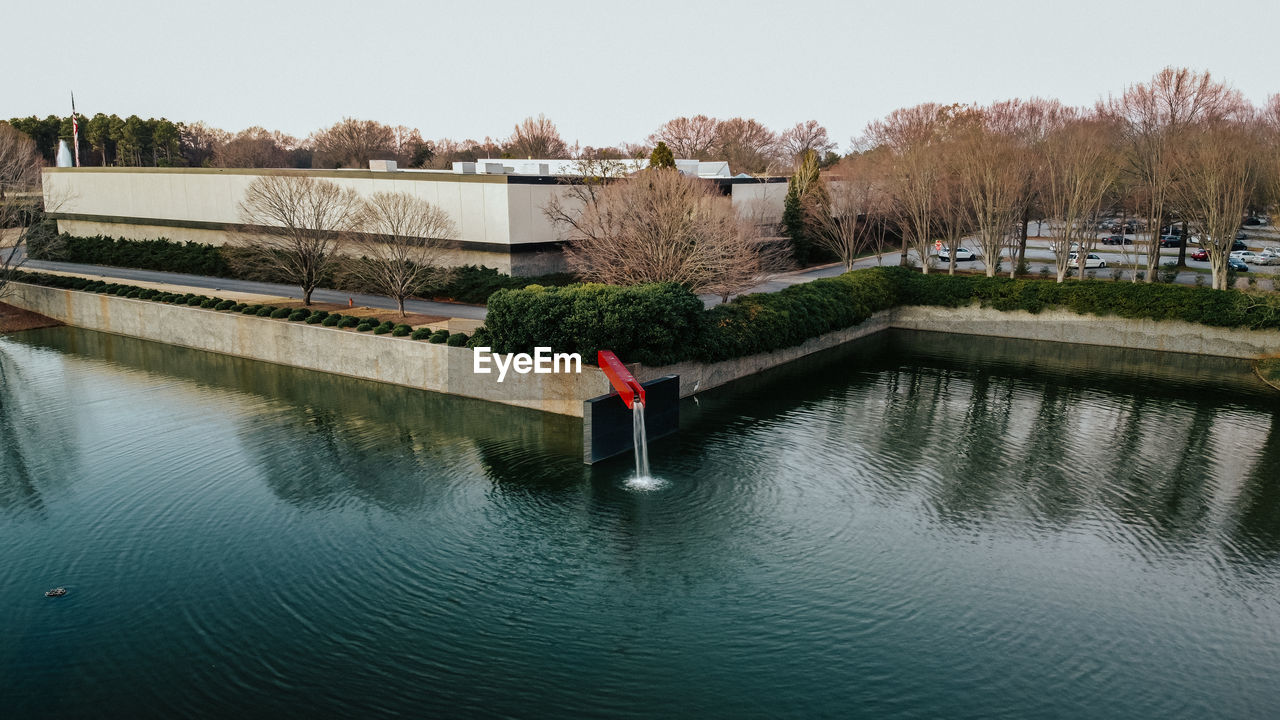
x: 607, y: 71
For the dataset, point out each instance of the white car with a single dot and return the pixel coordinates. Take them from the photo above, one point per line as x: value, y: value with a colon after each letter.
x: 963, y: 254
x: 1253, y: 258
x: 1092, y: 260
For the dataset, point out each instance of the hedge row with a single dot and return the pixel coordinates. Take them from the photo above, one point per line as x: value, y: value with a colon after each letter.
x: 307, y: 315
x: 468, y: 284
x: 652, y: 324
x: 660, y: 324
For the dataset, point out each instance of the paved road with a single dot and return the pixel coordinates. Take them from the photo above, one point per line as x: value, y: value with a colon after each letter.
x: 426, y: 307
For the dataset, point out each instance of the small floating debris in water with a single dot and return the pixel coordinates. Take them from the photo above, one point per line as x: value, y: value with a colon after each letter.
x: 56, y: 592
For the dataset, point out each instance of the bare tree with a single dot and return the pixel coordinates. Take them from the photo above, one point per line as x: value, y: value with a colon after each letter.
x: 20, y: 163
x: 914, y: 173
x: 991, y: 166
x: 254, y: 147
x: 1152, y: 116
x: 688, y: 137
x: 400, y: 242
x: 854, y: 195
x: 805, y: 136
x: 1077, y: 169
x: 353, y: 143
x: 537, y: 138
x: 199, y: 143
x: 1217, y: 167
x: 660, y: 226
x: 747, y: 145
x: 296, y: 225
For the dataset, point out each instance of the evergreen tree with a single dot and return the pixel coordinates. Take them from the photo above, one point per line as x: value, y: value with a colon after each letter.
x: 802, y: 187
x: 662, y: 157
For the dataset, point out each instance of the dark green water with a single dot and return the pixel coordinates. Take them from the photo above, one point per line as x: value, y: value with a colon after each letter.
x: 916, y: 526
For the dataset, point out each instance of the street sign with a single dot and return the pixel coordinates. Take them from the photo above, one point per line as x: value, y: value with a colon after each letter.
x: 937, y: 246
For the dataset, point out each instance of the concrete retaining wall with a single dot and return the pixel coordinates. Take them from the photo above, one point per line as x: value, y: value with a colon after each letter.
x: 1069, y: 327
x: 439, y: 368
x: 400, y: 361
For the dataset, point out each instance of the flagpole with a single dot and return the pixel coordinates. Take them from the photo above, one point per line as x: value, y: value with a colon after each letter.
x: 75, y: 129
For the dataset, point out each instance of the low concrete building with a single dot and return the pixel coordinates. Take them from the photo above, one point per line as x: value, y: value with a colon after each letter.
x: 499, y: 215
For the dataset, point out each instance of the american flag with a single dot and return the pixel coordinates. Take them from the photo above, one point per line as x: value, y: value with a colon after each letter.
x: 75, y: 129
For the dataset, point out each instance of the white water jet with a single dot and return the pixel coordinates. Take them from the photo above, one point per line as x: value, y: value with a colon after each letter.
x: 642, y: 479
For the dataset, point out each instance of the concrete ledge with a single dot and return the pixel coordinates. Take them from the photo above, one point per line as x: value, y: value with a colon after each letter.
x: 399, y: 361
x: 1069, y: 327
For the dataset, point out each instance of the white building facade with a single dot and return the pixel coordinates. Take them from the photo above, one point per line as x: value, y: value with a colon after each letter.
x: 499, y: 217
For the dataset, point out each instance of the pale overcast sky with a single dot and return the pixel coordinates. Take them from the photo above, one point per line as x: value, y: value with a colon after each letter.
x: 606, y: 71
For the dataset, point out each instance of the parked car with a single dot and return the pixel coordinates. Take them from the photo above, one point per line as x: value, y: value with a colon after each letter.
x: 1237, y: 264
x: 1170, y: 240
x: 1252, y: 221
x: 1117, y: 240
x: 1238, y: 245
x: 963, y: 254
x: 1254, y: 258
x: 1092, y: 260
x: 1200, y: 254
x: 1242, y: 235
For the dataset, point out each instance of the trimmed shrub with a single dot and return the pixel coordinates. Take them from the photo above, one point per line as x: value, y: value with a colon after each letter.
x: 134, y: 293
x: 471, y: 284
x: 438, y: 336
x: 653, y: 324
x: 401, y: 330
x: 299, y: 314
x: 381, y: 330
x: 457, y: 340
x: 280, y: 313
x: 480, y: 338
x: 421, y: 333
x: 266, y: 310
x: 225, y: 305
x: 317, y: 317
x: 364, y: 327
x: 332, y: 320
x: 349, y: 321
x: 250, y: 309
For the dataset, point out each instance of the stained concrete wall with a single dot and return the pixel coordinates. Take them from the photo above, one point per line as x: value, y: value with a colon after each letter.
x: 450, y: 370
x: 1069, y: 327
x: 400, y: 361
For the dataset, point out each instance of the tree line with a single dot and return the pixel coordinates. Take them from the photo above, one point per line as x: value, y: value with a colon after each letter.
x: 1182, y: 149
x: 109, y: 140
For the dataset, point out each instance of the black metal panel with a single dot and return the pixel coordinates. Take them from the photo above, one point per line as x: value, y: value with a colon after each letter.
x: 607, y: 421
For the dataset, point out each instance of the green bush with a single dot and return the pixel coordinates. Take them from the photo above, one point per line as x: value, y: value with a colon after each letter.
x: 331, y: 320
x: 365, y: 326
x: 266, y: 310
x: 349, y: 321
x: 471, y: 284
x: 457, y: 340
x: 401, y: 330
x: 421, y: 333
x: 317, y: 317
x: 250, y: 309
x: 281, y: 313
x: 653, y: 324
x: 480, y: 338
x: 438, y: 336
x: 157, y: 254
x: 381, y: 330
x: 134, y: 293
x: 299, y: 314
x: 225, y: 305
